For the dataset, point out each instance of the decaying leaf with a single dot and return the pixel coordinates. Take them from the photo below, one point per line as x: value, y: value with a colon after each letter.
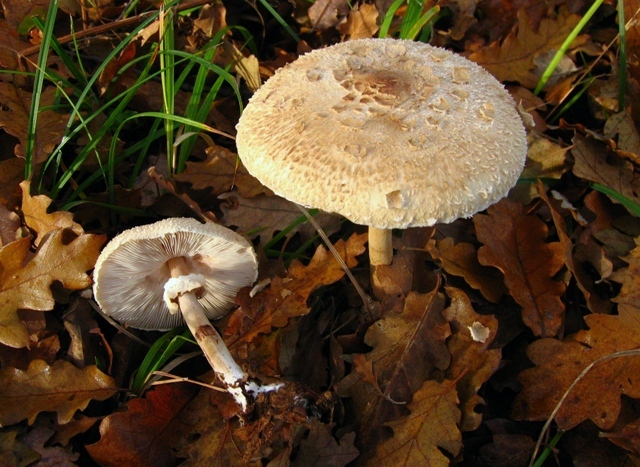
x: 513, y: 60
x: 145, y: 434
x: 362, y: 22
x: 515, y: 244
x: 14, y: 452
x: 462, y: 260
x: 431, y: 426
x: 222, y: 171
x: 597, y: 396
x: 321, y: 448
x: 34, y: 210
x: 287, y: 297
x: 25, y: 283
x: 60, y: 388
x: 472, y: 362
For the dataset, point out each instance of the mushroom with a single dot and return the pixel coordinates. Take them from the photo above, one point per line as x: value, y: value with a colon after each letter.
x: 146, y: 274
x: 386, y: 132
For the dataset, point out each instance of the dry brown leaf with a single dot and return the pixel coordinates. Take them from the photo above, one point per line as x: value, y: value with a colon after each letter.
x: 287, y: 297
x: 146, y: 433
x: 472, y: 363
x: 582, y: 277
x: 222, y: 171
x: 622, y: 125
x: 10, y: 226
x: 212, y: 19
x: 406, y: 348
x: 462, y: 260
x: 38, y: 439
x: 628, y: 299
x: 362, y: 22
x: 515, y: 244
x: 513, y: 60
x: 431, y: 426
x: 14, y: 119
x: 594, y: 161
x: 11, y: 174
x: 264, y: 215
x: 26, y: 283
x: 60, y: 388
x: 596, y: 397
x: 15, y: 453
x: 545, y: 159
x: 321, y: 448
x: 324, y: 14
x: 34, y: 210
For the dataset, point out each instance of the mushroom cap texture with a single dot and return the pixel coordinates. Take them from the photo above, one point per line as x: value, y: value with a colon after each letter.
x: 131, y: 271
x: 389, y: 133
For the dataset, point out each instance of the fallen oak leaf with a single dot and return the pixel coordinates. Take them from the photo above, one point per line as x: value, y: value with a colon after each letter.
x: 15, y: 453
x: 321, y: 448
x: 60, y: 388
x: 514, y: 58
x: 596, y: 396
x: 26, y: 283
x: 145, y: 434
x: 287, y: 297
x: 432, y: 424
x: 34, y: 210
x: 515, y: 244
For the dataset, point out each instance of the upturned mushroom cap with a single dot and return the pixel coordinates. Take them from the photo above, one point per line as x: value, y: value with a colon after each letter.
x: 388, y: 133
x: 131, y: 272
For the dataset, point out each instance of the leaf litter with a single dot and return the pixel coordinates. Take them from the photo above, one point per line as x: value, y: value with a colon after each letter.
x: 485, y: 324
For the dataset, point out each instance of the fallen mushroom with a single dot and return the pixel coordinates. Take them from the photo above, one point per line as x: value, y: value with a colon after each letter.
x: 386, y: 132
x: 145, y: 275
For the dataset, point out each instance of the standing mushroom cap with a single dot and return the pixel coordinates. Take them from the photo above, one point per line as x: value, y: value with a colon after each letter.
x: 388, y: 133
x: 131, y: 273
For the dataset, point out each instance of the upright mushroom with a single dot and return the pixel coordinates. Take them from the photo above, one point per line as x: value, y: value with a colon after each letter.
x: 388, y: 133
x: 145, y: 275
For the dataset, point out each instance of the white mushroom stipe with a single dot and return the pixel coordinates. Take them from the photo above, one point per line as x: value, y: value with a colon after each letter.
x: 179, y: 285
x: 388, y: 133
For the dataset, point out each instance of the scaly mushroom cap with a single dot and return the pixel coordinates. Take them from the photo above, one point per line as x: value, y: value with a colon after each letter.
x: 388, y: 133
x: 131, y: 272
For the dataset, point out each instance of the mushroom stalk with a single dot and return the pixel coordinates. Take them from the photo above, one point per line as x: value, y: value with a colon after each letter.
x: 208, y: 339
x: 380, y: 247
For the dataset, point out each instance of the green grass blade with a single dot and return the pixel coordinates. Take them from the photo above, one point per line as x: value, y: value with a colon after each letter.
x: 37, y: 88
x: 429, y: 16
x: 280, y: 20
x: 388, y: 18
x: 613, y: 194
x: 411, y: 17
x: 565, y: 46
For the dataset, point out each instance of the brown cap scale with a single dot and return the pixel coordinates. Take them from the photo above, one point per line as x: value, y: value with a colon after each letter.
x: 145, y: 275
x: 388, y: 133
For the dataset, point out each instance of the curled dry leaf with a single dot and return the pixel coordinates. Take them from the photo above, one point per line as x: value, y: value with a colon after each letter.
x: 472, y: 362
x: 513, y: 60
x: 60, y: 388
x: 432, y: 424
x: 221, y: 171
x: 287, y: 297
x: 147, y: 432
x: 515, y: 244
x: 25, y: 284
x: 596, y: 397
x: 34, y: 210
x: 462, y: 260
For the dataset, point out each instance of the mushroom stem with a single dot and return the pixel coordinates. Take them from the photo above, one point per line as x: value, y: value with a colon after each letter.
x: 380, y: 247
x: 208, y: 339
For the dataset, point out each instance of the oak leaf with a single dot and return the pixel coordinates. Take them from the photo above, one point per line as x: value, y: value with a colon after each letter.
x: 34, y: 210
x: 222, y: 171
x: 61, y: 388
x: 11, y: 174
x: 287, y: 297
x: 26, y: 283
x: 462, y: 260
x: 14, y: 119
x: 515, y: 244
x: 320, y: 448
x: 513, y: 60
x: 15, y: 453
x: 146, y: 433
x: 362, y: 22
x: 472, y: 360
x: 595, y: 397
x: 264, y: 215
x: 432, y: 425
